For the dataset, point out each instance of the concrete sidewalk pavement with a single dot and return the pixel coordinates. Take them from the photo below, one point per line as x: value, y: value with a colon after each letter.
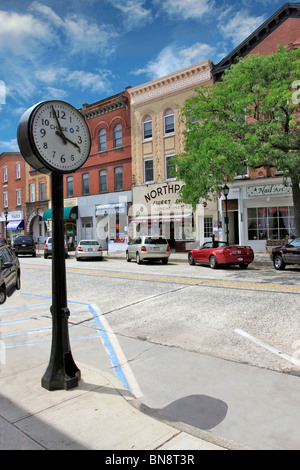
x: 98, y: 414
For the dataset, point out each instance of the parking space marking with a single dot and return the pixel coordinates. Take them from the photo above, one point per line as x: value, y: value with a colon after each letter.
x: 269, y: 348
x: 104, y: 332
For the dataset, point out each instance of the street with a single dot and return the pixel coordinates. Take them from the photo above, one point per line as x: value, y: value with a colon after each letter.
x: 182, y: 336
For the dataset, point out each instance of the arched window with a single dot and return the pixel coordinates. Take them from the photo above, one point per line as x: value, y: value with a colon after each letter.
x: 169, y: 121
x: 147, y: 127
x: 118, y: 136
x: 102, y: 140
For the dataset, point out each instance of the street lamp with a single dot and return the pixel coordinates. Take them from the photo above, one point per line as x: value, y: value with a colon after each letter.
x: 225, y: 193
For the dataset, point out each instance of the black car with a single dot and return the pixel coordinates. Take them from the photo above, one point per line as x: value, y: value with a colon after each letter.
x: 24, y: 245
x: 10, y: 275
x: 286, y: 254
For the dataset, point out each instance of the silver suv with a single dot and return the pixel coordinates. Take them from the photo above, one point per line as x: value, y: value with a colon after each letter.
x: 148, y: 248
x: 48, y: 248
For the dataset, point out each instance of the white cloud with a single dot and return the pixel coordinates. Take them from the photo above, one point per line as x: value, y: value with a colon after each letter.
x: 188, y: 9
x: 135, y: 14
x: 173, y: 58
x: 9, y: 145
x: 240, y: 26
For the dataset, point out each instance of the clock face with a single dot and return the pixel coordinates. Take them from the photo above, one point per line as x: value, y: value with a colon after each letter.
x: 59, y: 136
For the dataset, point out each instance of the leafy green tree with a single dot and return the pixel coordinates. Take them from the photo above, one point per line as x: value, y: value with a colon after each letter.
x: 250, y: 118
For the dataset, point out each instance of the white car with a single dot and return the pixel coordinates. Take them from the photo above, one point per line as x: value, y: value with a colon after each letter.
x: 89, y: 249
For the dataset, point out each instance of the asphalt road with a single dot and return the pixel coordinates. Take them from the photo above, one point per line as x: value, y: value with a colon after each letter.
x: 183, y: 338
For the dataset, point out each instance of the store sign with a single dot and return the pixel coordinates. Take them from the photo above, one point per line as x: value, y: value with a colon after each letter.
x: 12, y: 215
x: 269, y: 190
x: 110, y: 209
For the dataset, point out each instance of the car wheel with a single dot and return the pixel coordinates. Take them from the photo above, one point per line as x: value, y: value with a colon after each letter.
x: 191, y: 259
x: 279, y: 264
x: 244, y: 266
x: 138, y: 259
x: 128, y: 259
x: 165, y: 261
x: 213, y: 262
x: 2, y: 295
x: 18, y: 282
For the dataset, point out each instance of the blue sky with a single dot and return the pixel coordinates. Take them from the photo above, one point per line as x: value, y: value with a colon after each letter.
x: 82, y: 51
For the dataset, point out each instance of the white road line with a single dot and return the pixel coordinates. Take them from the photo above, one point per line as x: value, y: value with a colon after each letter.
x: 132, y: 383
x: 288, y: 358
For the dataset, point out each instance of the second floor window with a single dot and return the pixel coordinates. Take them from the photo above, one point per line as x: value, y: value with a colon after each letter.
x: 5, y: 174
x: 147, y: 127
x: 118, y: 178
x: 102, y: 140
x: 85, y: 183
x: 118, y: 136
x: 18, y: 197
x: 42, y: 191
x: 18, y: 171
x: 70, y: 192
x: 103, y: 181
x: 148, y: 171
x: 32, y: 192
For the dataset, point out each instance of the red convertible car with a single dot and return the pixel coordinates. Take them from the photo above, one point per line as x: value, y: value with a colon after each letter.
x: 220, y: 253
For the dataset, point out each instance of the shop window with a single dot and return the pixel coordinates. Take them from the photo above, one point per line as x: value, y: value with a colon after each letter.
x: 169, y: 122
x: 118, y: 136
x: 147, y: 127
x: 208, y: 227
x: 118, y: 178
x: 102, y: 140
x: 86, y: 183
x: 148, y: 170
x: 103, y: 181
x: 271, y: 223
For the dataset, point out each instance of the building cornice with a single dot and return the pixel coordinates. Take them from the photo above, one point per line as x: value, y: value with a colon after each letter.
x: 191, y: 76
x: 105, y: 106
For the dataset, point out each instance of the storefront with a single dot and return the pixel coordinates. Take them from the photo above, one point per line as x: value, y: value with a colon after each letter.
x: 259, y: 213
x: 156, y: 211
x: 12, y: 224
x: 111, y: 214
x: 70, y: 221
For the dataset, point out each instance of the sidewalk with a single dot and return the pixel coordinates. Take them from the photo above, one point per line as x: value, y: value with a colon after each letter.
x: 98, y: 414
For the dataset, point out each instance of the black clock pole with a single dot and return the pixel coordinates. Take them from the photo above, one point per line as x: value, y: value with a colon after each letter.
x: 62, y: 372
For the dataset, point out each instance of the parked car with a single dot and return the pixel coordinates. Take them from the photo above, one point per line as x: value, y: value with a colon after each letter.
x: 10, y: 275
x: 148, y: 248
x: 24, y: 245
x: 48, y: 248
x: 286, y: 254
x: 221, y: 253
x: 89, y: 249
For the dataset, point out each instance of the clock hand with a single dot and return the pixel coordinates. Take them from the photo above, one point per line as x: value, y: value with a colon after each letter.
x: 60, y: 133
x: 65, y: 139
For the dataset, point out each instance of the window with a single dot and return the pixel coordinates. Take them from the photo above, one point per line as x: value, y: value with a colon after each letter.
x: 148, y: 171
x: 32, y: 192
x: 5, y: 199
x: 42, y: 191
x: 70, y: 191
x: 170, y: 168
x: 102, y: 140
x: 18, y: 171
x: 103, y: 181
x: 118, y: 136
x: 169, y: 122
x: 271, y: 223
x: 18, y: 197
x: 118, y: 178
x: 147, y: 127
x: 208, y: 227
x: 5, y: 174
x: 86, y: 183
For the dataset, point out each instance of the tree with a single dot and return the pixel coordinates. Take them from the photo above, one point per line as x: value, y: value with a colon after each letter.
x: 252, y: 118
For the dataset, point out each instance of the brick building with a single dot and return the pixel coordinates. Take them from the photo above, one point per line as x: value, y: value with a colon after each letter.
x: 100, y: 191
x: 260, y: 206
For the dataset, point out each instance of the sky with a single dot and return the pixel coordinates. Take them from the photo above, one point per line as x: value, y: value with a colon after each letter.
x: 82, y: 51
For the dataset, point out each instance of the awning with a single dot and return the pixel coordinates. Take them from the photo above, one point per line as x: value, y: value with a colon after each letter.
x: 15, y: 225
x: 69, y: 213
